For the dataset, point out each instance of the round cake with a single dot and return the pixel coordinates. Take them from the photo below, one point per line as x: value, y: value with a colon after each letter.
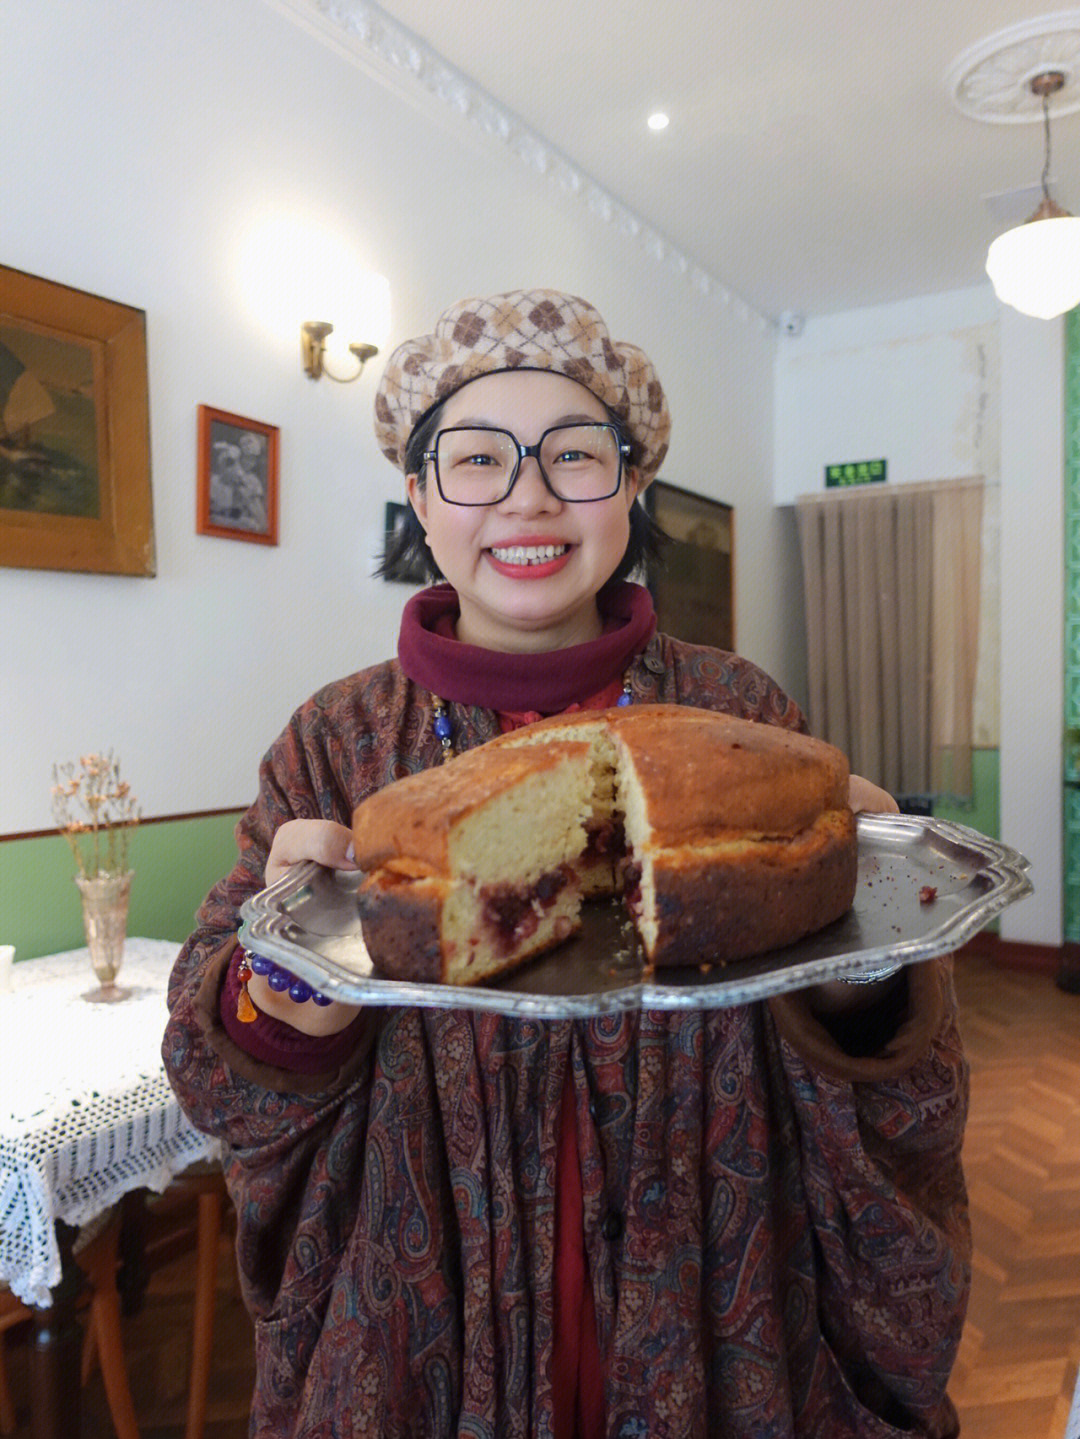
x: 725, y: 838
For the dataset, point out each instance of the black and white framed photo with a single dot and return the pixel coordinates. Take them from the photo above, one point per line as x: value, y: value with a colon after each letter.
x: 238, y: 478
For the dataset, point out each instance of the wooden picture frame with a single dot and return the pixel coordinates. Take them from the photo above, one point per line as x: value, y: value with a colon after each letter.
x: 74, y: 431
x: 238, y: 478
x: 693, y: 584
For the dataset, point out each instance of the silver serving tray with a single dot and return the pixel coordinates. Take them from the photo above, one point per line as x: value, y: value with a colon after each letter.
x: 308, y: 923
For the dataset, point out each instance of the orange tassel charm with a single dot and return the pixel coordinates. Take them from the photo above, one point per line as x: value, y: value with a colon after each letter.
x: 245, y: 1010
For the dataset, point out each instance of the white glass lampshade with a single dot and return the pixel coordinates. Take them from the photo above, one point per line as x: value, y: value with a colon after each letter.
x: 1035, y: 267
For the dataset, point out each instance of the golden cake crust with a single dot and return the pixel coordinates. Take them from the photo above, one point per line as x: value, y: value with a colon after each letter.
x: 704, y: 772
x: 759, y: 895
x: 401, y: 921
x: 415, y: 816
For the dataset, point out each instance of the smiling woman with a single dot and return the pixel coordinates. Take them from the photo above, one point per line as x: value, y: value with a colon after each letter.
x: 526, y: 563
x: 518, y: 1178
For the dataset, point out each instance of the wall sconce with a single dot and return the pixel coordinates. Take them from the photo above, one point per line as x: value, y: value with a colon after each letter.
x: 313, y: 335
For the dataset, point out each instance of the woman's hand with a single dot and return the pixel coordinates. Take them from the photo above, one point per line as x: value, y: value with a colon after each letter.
x: 867, y: 798
x: 299, y: 840
x: 295, y: 842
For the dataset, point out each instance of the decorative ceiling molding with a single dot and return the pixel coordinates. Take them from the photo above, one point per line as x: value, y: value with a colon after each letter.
x: 364, y: 33
x: 991, y: 80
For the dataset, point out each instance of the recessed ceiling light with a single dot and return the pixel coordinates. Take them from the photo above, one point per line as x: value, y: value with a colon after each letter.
x: 658, y: 121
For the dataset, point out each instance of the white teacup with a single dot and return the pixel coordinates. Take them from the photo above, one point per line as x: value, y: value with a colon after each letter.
x: 7, y: 961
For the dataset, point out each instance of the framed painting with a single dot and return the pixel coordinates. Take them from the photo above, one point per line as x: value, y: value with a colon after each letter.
x: 238, y: 478
x: 692, y: 584
x: 408, y: 573
x: 74, y: 431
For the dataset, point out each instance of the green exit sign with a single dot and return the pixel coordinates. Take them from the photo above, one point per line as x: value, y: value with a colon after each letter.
x: 855, y: 472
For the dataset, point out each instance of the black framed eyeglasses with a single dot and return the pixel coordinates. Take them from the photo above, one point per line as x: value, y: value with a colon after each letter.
x: 479, y: 464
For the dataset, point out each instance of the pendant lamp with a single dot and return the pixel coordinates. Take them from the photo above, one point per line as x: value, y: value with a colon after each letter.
x: 1035, y: 267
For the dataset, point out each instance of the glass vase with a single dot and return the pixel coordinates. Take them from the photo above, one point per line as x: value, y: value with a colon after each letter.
x: 105, y: 899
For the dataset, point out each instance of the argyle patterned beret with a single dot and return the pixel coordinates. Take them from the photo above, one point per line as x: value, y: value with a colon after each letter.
x: 522, y: 330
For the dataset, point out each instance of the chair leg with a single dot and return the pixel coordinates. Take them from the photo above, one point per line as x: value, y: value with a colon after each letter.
x: 104, y: 1334
x: 105, y: 1318
x: 89, y: 1353
x: 206, y: 1266
x: 7, y: 1405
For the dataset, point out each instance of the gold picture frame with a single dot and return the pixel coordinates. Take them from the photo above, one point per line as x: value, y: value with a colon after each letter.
x: 74, y: 431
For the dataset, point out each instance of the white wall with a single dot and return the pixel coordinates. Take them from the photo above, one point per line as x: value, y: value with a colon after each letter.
x: 946, y: 386
x: 145, y: 143
x: 914, y: 383
x: 1032, y: 614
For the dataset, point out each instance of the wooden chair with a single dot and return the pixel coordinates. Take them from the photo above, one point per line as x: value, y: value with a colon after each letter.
x: 97, y: 1254
x: 190, y: 1212
x: 149, y: 1230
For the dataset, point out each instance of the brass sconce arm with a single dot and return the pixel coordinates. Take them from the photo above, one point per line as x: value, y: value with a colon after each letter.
x: 313, y: 335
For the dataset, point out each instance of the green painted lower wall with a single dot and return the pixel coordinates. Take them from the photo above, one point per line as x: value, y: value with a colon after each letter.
x: 175, y: 864
x: 985, y: 812
x: 177, y: 861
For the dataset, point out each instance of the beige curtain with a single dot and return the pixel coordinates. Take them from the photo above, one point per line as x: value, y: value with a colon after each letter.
x: 892, y: 584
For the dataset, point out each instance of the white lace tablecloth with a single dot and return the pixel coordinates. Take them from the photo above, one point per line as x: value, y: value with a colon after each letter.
x: 86, y: 1112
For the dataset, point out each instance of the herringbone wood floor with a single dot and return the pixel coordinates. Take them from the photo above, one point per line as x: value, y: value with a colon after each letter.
x: 1021, y: 1346
x: 1017, y: 1367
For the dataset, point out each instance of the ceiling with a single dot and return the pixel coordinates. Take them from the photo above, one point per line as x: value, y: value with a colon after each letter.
x: 815, y: 160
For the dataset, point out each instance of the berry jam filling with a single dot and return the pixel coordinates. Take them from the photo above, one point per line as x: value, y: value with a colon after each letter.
x: 515, y: 914
x: 630, y: 881
x: 603, y: 837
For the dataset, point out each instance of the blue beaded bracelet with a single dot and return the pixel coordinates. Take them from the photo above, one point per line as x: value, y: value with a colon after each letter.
x: 282, y: 982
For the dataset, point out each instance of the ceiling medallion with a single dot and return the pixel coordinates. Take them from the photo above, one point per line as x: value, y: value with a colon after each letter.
x: 991, y: 80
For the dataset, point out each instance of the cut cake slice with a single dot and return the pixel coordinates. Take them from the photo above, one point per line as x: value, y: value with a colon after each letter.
x: 472, y: 868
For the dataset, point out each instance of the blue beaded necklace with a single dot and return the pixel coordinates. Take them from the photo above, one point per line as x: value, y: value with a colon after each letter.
x: 444, y: 731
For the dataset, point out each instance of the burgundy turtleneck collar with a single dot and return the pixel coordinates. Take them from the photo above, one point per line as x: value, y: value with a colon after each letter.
x: 547, y: 682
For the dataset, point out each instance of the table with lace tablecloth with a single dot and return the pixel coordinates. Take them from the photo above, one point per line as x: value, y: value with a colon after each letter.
x: 86, y: 1112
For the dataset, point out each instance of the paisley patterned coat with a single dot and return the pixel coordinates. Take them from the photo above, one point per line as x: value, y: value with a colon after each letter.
x: 776, y: 1228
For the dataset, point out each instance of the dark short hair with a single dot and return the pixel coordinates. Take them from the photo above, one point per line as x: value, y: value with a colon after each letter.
x: 407, y: 548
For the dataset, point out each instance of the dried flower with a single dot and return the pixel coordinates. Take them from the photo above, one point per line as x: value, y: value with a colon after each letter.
x: 94, y: 810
